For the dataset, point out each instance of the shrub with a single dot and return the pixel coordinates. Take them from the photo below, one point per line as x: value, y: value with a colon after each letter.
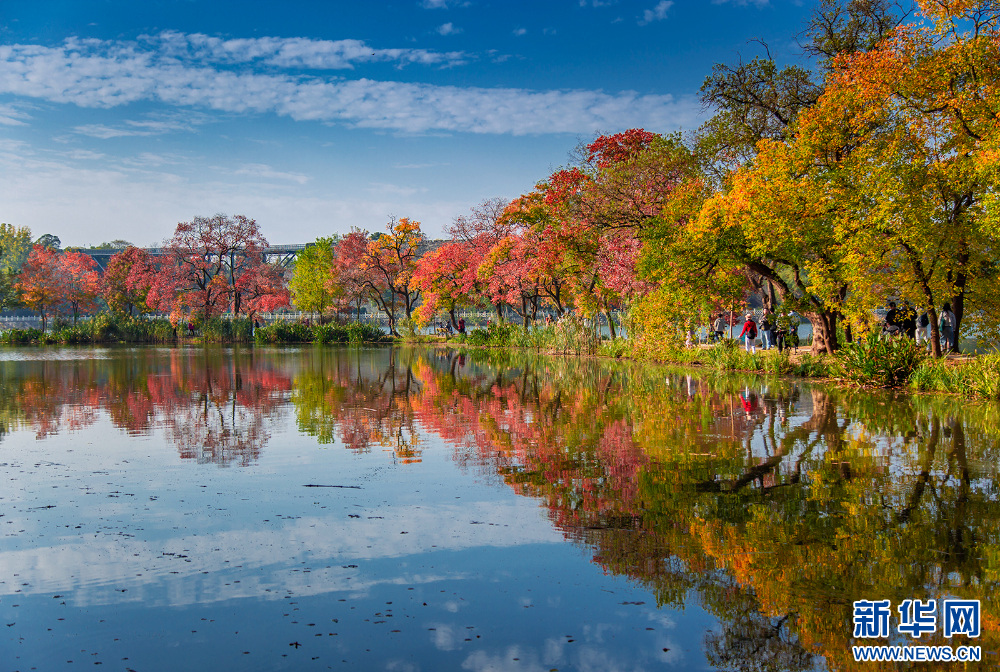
x: 330, y: 333
x: 284, y: 332
x: 874, y: 361
x: 616, y: 347
x: 407, y: 328
x: 294, y: 332
x: 20, y: 336
x: 362, y: 332
x: 811, y: 366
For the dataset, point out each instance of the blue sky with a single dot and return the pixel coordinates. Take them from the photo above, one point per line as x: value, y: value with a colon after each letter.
x: 120, y: 118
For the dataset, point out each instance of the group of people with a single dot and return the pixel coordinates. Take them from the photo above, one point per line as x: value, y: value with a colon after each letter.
x: 775, y: 331
x: 444, y: 327
x: 904, y: 321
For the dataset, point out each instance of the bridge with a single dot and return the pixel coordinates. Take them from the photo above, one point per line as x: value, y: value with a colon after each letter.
x: 283, y: 255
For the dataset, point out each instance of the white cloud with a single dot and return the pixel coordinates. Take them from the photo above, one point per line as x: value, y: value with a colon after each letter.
x: 520, y: 31
x: 288, y: 52
x: 83, y: 154
x: 448, y: 29
x: 96, y: 74
x: 513, y: 658
x: 10, y: 115
x: 657, y: 13
x: 153, y: 126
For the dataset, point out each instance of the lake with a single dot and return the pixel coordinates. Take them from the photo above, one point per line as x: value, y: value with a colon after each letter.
x: 421, y: 509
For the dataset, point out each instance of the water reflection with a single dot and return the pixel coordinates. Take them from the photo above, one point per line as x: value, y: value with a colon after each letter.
x: 773, y: 504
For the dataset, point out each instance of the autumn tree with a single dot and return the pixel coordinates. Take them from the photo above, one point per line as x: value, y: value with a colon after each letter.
x: 212, y: 264
x: 348, y: 280
x: 15, y: 245
x: 389, y: 262
x: 310, y: 287
x: 917, y: 113
x: 127, y: 280
x: 757, y: 104
x: 441, y: 275
x: 40, y: 283
x: 262, y: 288
x: 478, y: 232
x: 80, y: 282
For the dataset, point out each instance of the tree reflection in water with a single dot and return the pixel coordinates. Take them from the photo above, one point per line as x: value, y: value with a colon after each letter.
x: 773, y: 503
x: 214, y: 405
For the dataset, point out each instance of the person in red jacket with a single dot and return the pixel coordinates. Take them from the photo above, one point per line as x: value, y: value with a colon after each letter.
x: 749, y: 334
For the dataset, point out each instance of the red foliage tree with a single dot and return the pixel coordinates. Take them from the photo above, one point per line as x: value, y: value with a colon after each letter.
x: 80, y: 282
x: 213, y: 264
x: 443, y: 276
x: 349, y: 281
x: 41, y: 283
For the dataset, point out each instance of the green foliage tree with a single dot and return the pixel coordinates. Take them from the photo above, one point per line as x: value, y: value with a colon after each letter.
x: 310, y: 283
x: 15, y: 245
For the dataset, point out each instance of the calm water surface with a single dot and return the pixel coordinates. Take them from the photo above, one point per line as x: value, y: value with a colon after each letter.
x: 388, y: 509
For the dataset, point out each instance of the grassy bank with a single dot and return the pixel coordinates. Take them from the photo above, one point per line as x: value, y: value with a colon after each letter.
x: 108, y: 329
x: 871, y: 362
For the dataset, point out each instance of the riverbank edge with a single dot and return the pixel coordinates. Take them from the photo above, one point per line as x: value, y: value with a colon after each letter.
x: 957, y: 375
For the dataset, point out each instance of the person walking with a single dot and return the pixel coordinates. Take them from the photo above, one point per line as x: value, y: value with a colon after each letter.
x: 783, y: 325
x: 922, y: 323
x: 719, y: 326
x: 947, y: 326
x: 766, y: 330
x: 461, y: 325
x: 749, y: 334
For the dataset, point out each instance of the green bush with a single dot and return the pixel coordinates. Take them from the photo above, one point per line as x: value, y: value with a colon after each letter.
x: 284, y: 332
x: 362, y: 332
x: 812, y: 366
x: 874, y: 361
x: 295, y: 332
x: 20, y: 336
x: 331, y: 333
x: 226, y: 330
x: 615, y: 347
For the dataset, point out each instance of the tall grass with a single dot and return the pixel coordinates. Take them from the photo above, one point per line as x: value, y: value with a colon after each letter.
x: 979, y: 377
x: 222, y: 330
x: 102, y: 328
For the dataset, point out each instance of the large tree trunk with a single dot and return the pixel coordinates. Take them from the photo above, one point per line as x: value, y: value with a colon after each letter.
x: 824, y: 326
